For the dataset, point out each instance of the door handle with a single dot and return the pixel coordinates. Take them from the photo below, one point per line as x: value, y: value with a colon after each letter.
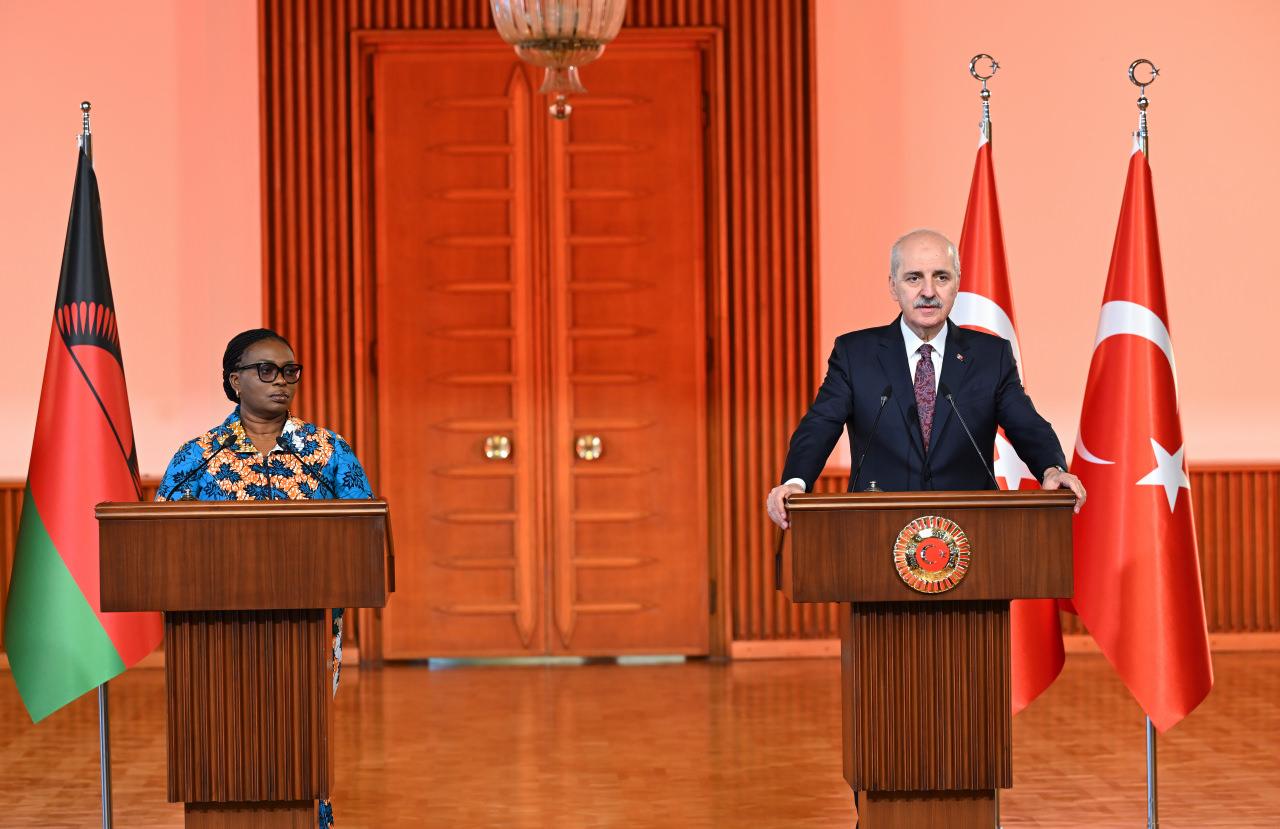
x: 497, y: 447
x: 589, y: 447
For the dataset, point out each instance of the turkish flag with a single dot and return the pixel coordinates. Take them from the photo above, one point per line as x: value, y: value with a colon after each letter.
x: 985, y: 303
x: 1137, y: 572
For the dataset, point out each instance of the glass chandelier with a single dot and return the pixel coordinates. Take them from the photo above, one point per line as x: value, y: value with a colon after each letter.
x: 559, y: 35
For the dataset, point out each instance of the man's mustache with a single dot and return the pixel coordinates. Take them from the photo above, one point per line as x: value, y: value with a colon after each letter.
x: 928, y: 302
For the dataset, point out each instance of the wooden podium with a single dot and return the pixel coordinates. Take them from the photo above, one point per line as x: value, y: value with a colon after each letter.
x: 247, y: 590
x: 925, y: 680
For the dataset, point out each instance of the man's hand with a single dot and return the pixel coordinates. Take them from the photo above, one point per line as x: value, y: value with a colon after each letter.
x: 1055, y: 478
x: 777, y: 503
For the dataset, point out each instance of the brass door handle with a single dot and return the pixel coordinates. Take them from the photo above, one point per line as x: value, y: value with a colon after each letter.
x: 497, y: 447
x: 589, y: 447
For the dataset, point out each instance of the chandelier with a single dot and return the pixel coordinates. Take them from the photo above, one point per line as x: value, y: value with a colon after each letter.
x: 559, y: 35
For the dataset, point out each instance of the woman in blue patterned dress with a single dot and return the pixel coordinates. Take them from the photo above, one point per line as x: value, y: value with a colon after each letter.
x: 261, y: 453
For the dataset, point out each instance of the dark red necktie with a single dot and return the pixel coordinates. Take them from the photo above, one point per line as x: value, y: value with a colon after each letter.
x: 926, y: 392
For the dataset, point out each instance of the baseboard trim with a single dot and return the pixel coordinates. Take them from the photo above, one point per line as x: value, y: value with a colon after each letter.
x: 784, y: 649
x: 1072, y: 643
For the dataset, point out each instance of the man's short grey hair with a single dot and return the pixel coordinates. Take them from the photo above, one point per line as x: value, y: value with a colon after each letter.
x: 895, y: 253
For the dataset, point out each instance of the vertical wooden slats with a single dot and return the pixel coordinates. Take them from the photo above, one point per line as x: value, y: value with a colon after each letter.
x: 10, y: 516
x: 248, y: 688
x: 918, y: 665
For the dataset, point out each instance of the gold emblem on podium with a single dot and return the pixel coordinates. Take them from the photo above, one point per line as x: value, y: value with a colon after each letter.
x: 931, y: 554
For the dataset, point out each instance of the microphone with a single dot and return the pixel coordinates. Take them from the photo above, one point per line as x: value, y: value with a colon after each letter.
x: 284, y: 444
x: 884, y: 398
x: 943, y: 391
x: 230, y: 440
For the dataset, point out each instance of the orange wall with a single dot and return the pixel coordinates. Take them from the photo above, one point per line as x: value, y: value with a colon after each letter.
x: 897, y: 132
x: 174, y: 87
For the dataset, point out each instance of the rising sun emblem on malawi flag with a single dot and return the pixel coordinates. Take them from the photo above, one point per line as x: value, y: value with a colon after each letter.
x: 60, y: 644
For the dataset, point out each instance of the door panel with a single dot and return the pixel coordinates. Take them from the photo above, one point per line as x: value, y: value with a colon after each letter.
x: 452, y: 205
x: 542, y: 280
x: 627, y: 278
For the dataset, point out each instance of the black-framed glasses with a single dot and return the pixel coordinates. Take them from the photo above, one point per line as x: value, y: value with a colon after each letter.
x: 267, y: 372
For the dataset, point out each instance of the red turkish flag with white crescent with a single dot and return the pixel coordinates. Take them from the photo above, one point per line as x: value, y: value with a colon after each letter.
x: 985, y: 303
x: 1137, y: 571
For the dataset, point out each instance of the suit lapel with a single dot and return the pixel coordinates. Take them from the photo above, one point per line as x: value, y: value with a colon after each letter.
x: 955, y: 367
x: 893, y: 361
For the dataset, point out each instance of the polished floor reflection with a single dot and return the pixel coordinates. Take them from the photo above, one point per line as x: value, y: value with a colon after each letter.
x: 750, y: 744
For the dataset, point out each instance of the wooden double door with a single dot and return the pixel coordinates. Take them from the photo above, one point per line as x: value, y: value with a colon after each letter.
x: 541, y: 349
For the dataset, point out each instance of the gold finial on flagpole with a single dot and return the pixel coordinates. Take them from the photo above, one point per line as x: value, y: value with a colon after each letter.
x: 985, y: 94
x: 86, y: 137
x: 1141, y: 134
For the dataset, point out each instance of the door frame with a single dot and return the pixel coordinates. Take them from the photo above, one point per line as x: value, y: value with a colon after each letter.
x: 364, y: 46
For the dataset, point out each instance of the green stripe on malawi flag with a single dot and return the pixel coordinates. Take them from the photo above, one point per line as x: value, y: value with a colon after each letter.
x: 59, y: 642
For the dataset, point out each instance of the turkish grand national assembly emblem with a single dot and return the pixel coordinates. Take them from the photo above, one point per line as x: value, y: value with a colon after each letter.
x: 931, y: 554
x: 60, y: 643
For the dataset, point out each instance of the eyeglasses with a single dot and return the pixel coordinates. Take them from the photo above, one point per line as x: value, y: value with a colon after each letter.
x: 267, y: 371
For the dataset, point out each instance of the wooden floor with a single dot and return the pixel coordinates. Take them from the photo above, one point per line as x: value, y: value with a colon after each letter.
x: 751, y: 744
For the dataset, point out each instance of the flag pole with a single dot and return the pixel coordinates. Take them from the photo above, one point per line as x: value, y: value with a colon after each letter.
x: 985, y: 94
x: 985, y: 127
x: 104, y: 751
x: 85, y: 140
x: 1153, y: 805
x: 1153, y: 794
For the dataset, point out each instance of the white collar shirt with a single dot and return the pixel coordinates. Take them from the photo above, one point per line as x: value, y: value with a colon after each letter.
x: 913, y: 343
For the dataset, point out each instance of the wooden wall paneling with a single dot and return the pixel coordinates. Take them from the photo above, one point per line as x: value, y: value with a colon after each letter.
x: 721, y: 462
x: 1237, y: 511
x: 766, y: 339
x: 10, y: 515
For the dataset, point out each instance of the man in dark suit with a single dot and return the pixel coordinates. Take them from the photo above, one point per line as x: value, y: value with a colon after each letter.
x: 928, y: 368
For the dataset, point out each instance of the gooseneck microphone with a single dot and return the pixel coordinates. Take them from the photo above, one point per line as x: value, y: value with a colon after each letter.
x: 284, y: 444
x: 884, y: 398
x: 943, y: 391
x: 226, y: 443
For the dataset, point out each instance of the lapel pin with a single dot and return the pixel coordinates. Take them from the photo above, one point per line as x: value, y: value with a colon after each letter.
x: 960, y: 357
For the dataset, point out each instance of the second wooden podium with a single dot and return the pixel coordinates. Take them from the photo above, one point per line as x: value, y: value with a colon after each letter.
x: 246, y: 589
x: 924, y: 580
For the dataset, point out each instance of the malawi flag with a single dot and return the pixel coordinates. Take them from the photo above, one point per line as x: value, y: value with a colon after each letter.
x: 60, y: 644
x: 986, y: 303
x: 1137, y: 572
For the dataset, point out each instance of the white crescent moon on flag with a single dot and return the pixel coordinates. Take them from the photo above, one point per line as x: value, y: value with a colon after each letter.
x: 1121, y: 317
x: 976, y: 309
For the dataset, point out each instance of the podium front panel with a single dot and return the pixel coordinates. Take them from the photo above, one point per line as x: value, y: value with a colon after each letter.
x: 250, y: 555
x: 250, y: 711
x: 925, y: 696
x: 842, y: 546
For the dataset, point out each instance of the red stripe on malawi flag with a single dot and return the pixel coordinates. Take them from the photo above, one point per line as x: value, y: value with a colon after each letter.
x: 59, y: 642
